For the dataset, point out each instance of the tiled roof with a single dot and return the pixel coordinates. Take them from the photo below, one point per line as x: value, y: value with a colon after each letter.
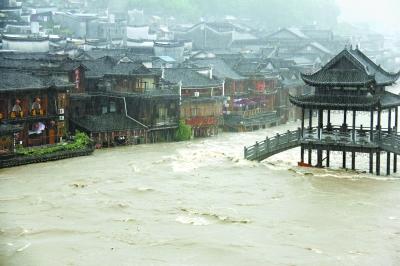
x: 389, y: 100
x: 359, y: 102
x: 293, y: 31
x: 190, y: 78
x: 220, y: 69
x: 39, y: 64
x: 33, y: 56
x: 335, y: 101
x: 297, y: 32
x: 131, y: 53
x: 7, y: 129
x: 320, y: 47
x: 106, y: 123
x: 350, y: 68
x: 246, y: 68
x: 128, y: 68
x: 15, y: 80
x: 108, y: 65
x: 97, y: 68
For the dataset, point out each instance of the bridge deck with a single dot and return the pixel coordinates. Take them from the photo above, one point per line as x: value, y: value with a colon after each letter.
x: 359, y: 141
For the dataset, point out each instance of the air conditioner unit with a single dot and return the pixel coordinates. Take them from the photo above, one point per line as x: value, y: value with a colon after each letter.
x: 196, y: 94
x: 61, y: 111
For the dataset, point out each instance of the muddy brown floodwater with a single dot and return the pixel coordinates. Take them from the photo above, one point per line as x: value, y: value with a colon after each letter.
x: 197, y: 203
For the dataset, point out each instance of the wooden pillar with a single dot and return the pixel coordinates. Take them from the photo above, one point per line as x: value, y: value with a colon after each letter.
x: 371, y: 136
x: 371, y: 162
x: 310, y: 128
x: 344, y: 160
x: 329, y: 116
x: 320, y: 123
x: 389, y: 131
x: 344, y: 152
x: 353, y: 160
x: 379, y: 124
x: 302, y: 122
x: 319, y: 158
x: 396, y: 118
x: 378, y: 163
x: 327, y: 158
x: 354, y: 127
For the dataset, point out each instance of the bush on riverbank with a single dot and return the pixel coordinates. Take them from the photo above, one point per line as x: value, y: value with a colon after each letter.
x: 184, y: 132
x: 81, y: 141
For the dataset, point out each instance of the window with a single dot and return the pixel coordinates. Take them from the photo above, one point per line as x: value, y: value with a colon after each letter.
x: 113, y: 107
x: 162, y: 113
x: 194, y: 111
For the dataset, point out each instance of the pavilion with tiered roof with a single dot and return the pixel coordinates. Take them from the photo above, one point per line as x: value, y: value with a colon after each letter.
x: 350, y: 83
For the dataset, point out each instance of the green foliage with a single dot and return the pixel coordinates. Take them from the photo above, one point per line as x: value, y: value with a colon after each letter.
x: 184, y: 132
x: 81, y: 141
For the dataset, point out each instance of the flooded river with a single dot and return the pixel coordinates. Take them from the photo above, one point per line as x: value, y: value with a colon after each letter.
x: 197, y: 203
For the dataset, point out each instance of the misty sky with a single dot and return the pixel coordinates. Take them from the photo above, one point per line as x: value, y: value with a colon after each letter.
x: 381, y: 14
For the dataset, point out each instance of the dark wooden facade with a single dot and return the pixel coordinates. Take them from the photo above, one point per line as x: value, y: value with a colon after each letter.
x: 42, y: 123
x: 129, y: 96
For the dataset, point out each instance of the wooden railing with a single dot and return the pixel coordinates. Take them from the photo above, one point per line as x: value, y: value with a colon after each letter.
x: 18, y: 115
x: 251, y: 113
x: 390, y: 142
x: 273, y: 145
x: 386, y: 141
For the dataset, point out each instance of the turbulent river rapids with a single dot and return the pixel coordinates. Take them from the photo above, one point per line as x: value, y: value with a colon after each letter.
x: 198, y: 203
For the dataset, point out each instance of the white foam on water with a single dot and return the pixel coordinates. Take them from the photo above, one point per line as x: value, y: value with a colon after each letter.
x: 193, y: 220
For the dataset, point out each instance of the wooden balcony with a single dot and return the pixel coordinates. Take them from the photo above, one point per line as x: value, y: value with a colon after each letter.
x: 32, y: 116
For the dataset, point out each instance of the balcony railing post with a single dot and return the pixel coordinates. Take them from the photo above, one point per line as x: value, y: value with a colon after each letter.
x: 256, y: 148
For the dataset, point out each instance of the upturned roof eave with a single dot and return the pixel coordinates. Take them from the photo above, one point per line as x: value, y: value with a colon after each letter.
x: 338, y: 106
x: 309, y: 81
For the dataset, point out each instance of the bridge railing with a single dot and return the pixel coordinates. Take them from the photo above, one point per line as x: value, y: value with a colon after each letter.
x: 272, y: 144
x: 390, y: 142
x: 280, y: 142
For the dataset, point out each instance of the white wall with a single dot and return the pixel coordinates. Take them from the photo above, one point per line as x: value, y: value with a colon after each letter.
x: 26, y: 46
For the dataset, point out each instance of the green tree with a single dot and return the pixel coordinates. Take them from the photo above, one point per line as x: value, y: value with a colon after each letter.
x: 184, y: 132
